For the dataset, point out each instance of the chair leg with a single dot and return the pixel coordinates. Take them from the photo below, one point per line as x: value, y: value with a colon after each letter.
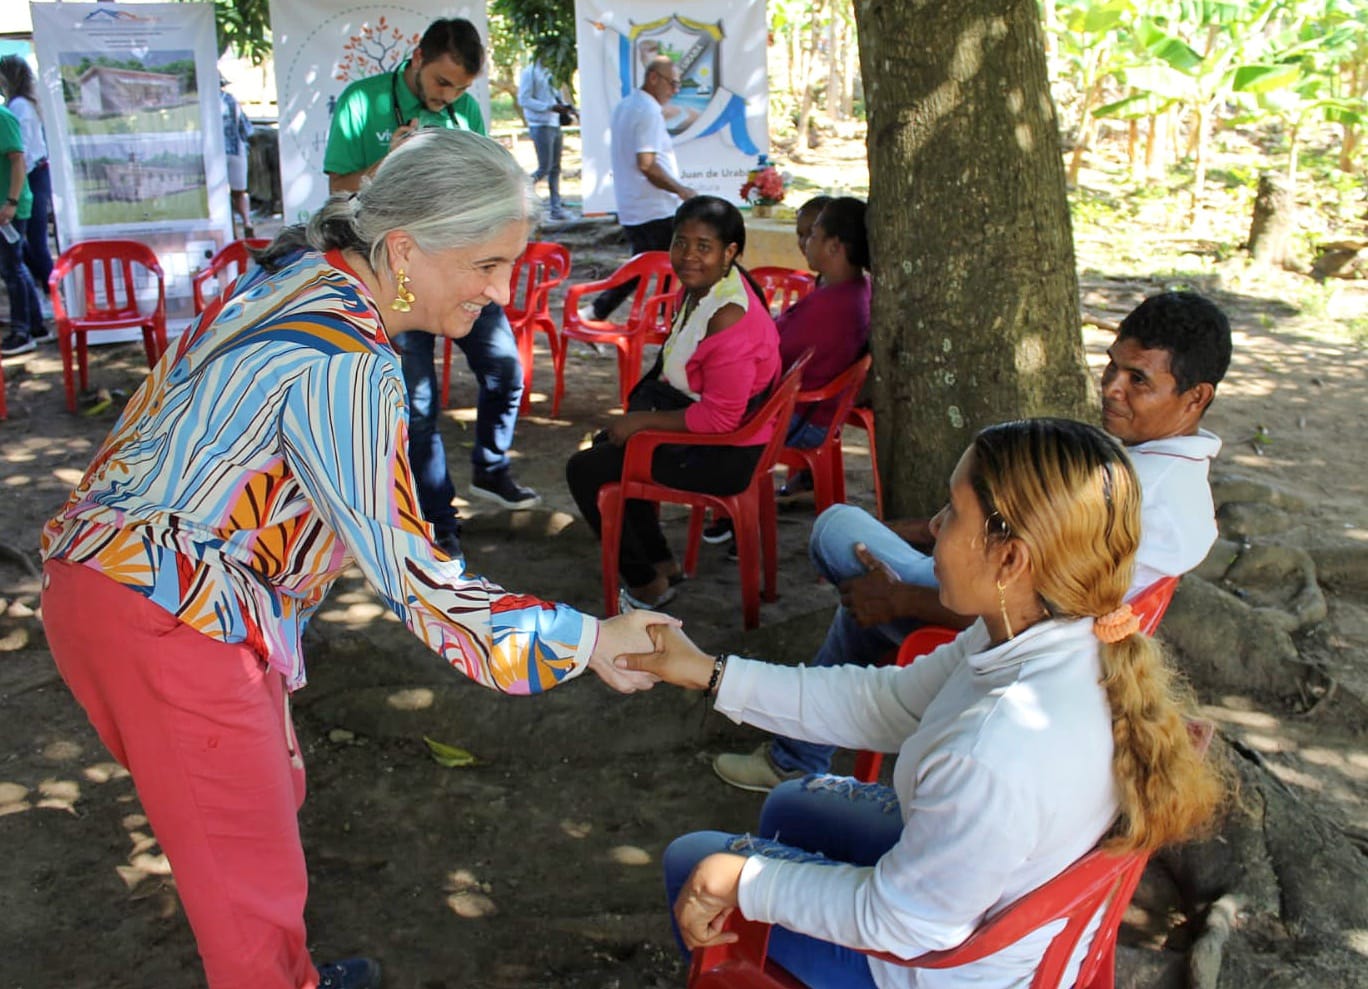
x: 558, y: 365
x: 82, y: 362
x: 610, y: 513
x: 746, y: 532
x: 769, y: 535
x: 150, y: 346
x: 878, y: 482
x: 64, y: 345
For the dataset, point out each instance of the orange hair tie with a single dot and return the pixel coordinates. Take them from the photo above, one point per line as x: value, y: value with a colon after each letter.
x: 1116, y: 625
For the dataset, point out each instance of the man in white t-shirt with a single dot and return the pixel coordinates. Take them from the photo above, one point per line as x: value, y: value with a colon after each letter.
x: 645, y: 174
x: 1163, y: 368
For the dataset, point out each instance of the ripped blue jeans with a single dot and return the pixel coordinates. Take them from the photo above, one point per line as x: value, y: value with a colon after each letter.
x: 822, y: 819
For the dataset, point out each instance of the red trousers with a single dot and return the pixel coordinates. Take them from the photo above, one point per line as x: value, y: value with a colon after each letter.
x: 204, y: 729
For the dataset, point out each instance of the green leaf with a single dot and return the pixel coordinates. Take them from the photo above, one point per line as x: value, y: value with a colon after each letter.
x: 1265, y: 78
x: 449, y: 755
x: 1168, y: 49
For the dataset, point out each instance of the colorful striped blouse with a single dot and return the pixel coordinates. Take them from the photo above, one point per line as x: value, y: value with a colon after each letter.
x: 266, y: 453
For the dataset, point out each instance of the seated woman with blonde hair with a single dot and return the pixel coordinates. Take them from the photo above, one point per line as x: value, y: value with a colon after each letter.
x: 1048, y: 725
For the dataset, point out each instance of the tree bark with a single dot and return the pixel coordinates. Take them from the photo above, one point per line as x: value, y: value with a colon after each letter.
x: 1270, y: 231
x: 975, y: 306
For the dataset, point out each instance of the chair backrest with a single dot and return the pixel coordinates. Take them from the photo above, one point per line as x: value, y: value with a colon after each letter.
x: 847, y: 386
x: 1151, y: 603
x: 106, y: 269
x: 778, y: 408
x: 1076, y: 895
x: 225, y: 267
x: 539, y: 269
x: 657, y: 278
x: 783, y: 286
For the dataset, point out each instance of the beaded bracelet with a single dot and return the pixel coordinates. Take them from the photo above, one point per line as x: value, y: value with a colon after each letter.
x: 719, y: 664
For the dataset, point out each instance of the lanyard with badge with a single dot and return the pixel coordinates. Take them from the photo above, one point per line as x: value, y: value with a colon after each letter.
x: 399, y: 120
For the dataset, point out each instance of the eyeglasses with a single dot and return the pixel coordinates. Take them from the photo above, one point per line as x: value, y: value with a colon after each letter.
x: 673, y: 81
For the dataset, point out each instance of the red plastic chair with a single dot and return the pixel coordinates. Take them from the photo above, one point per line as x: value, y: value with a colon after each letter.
x: 538, y: 270
x: 1075, y: 896
x: 1150, y: 605
x: 1098, y: 880
x: 752, y: 511
x: 106, y: 271
x: 826, y: 461
x: 862, y: 417
x: 628, y: 337
x: 783, y: 286
x: 230, y: 263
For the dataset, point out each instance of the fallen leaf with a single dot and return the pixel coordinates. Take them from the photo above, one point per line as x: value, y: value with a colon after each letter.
x: 449, y: 755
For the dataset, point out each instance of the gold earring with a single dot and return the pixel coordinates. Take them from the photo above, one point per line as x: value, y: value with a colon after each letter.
x: 1002, y: 603
x: 403, y: 298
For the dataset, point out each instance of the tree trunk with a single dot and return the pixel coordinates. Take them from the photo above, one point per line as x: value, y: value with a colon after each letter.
x: 833, y: 87
x: 806, y: 73
x: 1270, y: 232
x: 975, y: 307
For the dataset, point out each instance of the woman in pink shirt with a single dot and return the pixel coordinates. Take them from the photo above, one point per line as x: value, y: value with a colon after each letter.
x: 718, y: 364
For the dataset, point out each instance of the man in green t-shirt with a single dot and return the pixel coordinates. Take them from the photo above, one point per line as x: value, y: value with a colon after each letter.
x: 26, y: 318
x: 371, y: 118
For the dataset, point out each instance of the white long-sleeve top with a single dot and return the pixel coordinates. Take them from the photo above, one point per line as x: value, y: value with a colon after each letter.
x: 1177, y: 515
x: 1003, y: 777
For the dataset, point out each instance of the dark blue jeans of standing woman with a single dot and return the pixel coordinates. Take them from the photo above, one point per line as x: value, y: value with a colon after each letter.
x: 492, y: 355
x: 39, y: 257
x: 829, y: 820
x: 25, y: 315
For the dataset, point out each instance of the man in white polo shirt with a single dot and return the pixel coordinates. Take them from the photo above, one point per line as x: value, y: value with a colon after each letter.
x: 645, y: 174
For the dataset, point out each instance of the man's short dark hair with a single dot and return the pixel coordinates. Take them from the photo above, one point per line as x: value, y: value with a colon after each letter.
x: 814, y: 205
x: 1191, y: 327
x: 457, y: 37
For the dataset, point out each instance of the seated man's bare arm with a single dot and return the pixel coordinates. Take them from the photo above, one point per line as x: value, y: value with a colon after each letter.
x: 878, y: 597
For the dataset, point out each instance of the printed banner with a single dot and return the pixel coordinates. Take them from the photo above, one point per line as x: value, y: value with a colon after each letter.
x: 130, y: 104
x: 719, y: 119
x: 320, y: 47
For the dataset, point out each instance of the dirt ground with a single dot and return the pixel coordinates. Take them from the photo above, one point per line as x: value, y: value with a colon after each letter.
x: 539, y: 865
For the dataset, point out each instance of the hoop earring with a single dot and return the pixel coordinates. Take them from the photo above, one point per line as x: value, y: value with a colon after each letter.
x: 1002, y: 604
x: 403, y: 298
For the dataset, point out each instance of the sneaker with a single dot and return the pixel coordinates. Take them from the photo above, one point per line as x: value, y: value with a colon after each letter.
x: 558, y: 214
x: 449, y: 542
x: 42, y: 334
x: 718, y: 533
x: 16, y: 343
x: 350, y: 973
x: 627, y: 601
x: 501, y: 489
x: 752, y: 770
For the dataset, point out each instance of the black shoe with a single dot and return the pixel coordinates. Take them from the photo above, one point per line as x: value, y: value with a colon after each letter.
x: 16, y: 343
x: 349, y: 973
x: 501, y: 489
x: 798, y: 484
x: 719, y: 532
x: 42, y: 334
x: 449, y: 542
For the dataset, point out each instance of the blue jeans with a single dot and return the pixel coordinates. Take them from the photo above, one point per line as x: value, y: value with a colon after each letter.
x: 547, y: 140
x: 26, y: 317
x: 803, y: 435
x: 832, y: 548
x: 824, y: 819
x: 492, y: 355
x: 39, y: 257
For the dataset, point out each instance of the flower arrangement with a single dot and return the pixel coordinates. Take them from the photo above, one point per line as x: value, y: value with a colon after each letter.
x: 764, y: 185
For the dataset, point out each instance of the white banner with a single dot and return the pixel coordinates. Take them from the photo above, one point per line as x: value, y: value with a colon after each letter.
x: 320, y: 47
x: 130, y: 104
x: 719, y: 119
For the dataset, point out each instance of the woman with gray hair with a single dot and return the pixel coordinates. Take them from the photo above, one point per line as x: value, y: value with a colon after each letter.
x: 262, y: 456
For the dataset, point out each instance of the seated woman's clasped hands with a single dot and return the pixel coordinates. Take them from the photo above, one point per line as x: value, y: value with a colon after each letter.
x: 1046, y: 727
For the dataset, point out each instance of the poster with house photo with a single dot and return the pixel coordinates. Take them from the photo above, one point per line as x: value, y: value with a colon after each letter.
x: 123, y: 90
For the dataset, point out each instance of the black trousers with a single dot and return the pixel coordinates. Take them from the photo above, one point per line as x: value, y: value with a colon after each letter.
x: 654, y: 235
x: 720, y: 470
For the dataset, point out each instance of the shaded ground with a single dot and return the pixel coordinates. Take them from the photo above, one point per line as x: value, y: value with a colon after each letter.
x: 538, y: 867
